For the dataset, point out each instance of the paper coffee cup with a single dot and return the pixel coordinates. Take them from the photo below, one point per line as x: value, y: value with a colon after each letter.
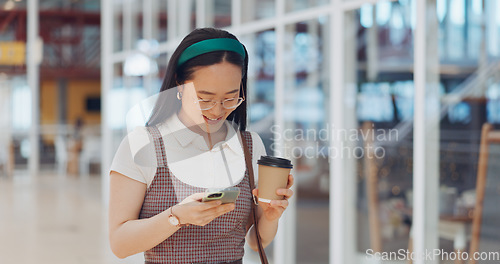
x: 273, y: 175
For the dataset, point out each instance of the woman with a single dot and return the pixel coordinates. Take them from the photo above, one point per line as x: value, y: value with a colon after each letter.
x: 155, y: 194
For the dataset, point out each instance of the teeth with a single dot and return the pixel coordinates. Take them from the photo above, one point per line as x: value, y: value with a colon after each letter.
x: 211, y: 118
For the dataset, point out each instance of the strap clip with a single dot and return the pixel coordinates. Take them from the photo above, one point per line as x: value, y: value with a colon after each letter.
x: 255, y: 200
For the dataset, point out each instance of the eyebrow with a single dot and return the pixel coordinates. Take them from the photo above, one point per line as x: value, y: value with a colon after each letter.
x: 210, y: 93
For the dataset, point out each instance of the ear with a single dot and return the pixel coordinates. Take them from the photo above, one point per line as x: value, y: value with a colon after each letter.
x: 180, y: 87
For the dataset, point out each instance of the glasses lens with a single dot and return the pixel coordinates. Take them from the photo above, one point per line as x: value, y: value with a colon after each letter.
x: 205, y: 105
x: 232, y: 103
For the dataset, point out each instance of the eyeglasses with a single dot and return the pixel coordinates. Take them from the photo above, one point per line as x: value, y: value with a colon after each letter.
x: 227, y: 104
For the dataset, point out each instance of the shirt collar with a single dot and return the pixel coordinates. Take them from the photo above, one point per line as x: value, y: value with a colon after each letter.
x: 183, y: 134
x: 233, y: 140
x: 186, y: 136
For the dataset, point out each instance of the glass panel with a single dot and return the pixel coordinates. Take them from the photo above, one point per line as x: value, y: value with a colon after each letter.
x: 299, y: 5
x: 127, y: 24
x: 261, y: 50
x: 455, y: 30
x: 221, y: 10
x: 475, y: 15
x: 137, y: 22
x: 90, y: 5
x: 379, y: 64
x: 186, y: 16
x: 261, y: 53
x: 460, y: 155
x: 16, y: 139
x: 492, y: 27
x: 130, y: 91
x: 120, y: 102
x: 162, y: 61
x: 155, y: 13
x: 258, y: 9
x: 306, y: 107
x: 193, y: 18
x: 117, y: 26
x: 6, y: 126
x: 468, y: 97
x: 471, y: 99
x: 162, y: 22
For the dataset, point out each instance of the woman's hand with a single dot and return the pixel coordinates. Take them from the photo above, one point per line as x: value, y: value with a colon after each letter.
x: 273, y: 210
x: 194, y: 212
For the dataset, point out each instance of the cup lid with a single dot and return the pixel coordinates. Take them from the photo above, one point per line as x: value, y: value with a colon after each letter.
x: 275, y: 162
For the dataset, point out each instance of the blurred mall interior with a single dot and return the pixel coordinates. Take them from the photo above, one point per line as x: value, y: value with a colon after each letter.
x: 380, y: 104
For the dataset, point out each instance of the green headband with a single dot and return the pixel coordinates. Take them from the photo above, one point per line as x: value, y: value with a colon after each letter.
x: 209, y: 45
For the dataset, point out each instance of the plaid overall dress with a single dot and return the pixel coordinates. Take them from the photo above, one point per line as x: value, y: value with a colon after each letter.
x: 220, y: 241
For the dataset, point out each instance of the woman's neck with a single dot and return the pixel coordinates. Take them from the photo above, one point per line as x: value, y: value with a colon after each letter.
x: 211, y: 138
x: 215, y: 137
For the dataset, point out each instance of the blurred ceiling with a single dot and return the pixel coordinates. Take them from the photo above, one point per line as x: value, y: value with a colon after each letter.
x: 70, y: 31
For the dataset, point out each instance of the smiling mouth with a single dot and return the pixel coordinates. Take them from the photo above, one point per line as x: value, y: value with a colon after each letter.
x: 212, y: 121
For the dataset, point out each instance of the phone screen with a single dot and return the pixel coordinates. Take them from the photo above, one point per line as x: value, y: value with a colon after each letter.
x: 215, y: 196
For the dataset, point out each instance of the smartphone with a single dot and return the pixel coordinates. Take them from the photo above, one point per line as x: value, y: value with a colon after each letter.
x: 226, y: 195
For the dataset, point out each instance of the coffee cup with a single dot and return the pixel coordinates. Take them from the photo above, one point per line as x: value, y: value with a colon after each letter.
x: 273, y: 175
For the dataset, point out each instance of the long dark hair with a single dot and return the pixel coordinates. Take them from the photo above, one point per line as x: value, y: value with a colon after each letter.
x: 167, y: 104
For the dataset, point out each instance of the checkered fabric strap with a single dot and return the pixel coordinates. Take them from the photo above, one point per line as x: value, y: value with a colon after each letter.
x: 161, y: 157
x: 248, y: 161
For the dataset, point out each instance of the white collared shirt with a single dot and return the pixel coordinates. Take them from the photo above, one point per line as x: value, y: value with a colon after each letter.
x: 188, y: 156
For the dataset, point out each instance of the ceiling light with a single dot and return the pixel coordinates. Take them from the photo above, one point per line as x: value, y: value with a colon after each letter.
x: 9, y: 5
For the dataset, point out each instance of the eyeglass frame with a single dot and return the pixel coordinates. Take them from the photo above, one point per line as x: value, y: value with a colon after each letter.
x: 221, y: 102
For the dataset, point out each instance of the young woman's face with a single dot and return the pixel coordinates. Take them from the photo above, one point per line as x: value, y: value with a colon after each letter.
x: 216, y: 82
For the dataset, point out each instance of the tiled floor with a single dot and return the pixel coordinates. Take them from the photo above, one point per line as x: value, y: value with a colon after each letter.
x: 57, y: 220
x: 53, y: 220
x: 60, y: 220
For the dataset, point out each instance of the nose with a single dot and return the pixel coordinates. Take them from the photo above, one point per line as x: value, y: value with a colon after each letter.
x: 217, y: 110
